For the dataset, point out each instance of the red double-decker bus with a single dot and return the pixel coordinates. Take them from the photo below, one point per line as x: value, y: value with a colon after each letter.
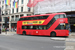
x: 45, y: 24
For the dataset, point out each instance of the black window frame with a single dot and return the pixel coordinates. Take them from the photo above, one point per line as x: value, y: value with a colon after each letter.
x: 16, y: 9
x: 21, y: 9
x: 22, y: 1
x: 34, y: 18
x: 29, y: 9
x: 2, y: 2
x: 13, y: 10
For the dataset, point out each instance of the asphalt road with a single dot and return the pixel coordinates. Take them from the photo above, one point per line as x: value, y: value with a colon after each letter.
x: 20, y: 42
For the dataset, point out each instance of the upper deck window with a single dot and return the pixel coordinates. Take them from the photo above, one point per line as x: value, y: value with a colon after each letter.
x: 34, y: 18
x: 62, y: 16
x: 56, y: 17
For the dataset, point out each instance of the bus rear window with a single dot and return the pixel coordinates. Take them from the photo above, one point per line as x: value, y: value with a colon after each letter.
x: 34, y: 18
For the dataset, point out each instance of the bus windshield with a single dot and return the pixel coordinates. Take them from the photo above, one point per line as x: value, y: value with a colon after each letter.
x: 62, y: 26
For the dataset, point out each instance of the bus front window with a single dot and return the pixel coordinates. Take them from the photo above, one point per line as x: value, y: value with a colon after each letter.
x: 61, y: 26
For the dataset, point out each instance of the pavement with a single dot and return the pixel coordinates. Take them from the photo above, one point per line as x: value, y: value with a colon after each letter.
x: 70, y: 42
x: 58, y: 38
x: 8, y: 33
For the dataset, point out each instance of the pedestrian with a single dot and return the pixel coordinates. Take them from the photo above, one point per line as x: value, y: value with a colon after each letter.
x: 0, y: 30
x: 12, y: 28
x: 15, y: 29
x: 69, y: 31
x: 5, y: 29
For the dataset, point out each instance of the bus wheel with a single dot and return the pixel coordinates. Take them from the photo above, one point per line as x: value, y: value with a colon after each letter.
x: 53, y: 34
x: 24, y: 32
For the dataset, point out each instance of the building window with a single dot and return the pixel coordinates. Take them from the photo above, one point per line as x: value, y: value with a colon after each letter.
x: 2, y: 2
x: 2, y: 7
x: 12, y: 18
x: 21, y: 1
x: 6, y: 12
x: 6, y: 6
x: 10, y: 5
x: 28, y: 14
x: 18, y: 2
x: 9, y: 12
x: 21, y: 9
x: 10, y: 0
x: 21, y: 15
x: 2, y: 13
x: 28, y: 9
x: 3, y: 18
x: 17, y: 10
x: 17, y: 18
x: 12, y: 10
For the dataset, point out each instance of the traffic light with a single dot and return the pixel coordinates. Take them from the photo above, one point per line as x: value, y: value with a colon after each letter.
x: 6, y: 21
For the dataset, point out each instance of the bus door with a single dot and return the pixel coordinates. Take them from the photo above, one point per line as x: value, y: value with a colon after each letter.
x: 61, y: 29
x: 35, y: 30
x: 61, y: 33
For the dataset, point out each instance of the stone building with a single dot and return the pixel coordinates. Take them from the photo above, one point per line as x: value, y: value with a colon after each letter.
x: 14, y: 13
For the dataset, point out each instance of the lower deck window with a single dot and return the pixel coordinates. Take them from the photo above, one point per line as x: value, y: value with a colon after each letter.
x: 34, y: 27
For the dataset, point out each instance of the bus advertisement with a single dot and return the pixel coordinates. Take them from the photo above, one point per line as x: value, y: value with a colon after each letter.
x: 45, y: 25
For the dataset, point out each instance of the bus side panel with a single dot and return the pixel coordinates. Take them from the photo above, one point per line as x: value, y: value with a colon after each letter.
x: 44, y: 32
x: 31, y: 32
x: 61, y: 32
x: 58, y: 32
x: 37, y: 32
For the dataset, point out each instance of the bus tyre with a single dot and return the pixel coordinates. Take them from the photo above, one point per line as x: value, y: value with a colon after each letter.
x: 53, y: 34
x: 24, y: 32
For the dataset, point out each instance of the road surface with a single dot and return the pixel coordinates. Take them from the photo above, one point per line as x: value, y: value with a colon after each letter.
x: 21, y: 42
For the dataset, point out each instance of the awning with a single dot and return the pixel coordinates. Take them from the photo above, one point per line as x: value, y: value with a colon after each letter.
x: 72, y: 15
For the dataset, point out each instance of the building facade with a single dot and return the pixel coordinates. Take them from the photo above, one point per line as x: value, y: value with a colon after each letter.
x: 55, y: 6
x: 14, y: 13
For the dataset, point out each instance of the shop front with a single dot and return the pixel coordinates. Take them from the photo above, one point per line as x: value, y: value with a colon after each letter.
x: 71, y: 19
x: 13, y: 26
